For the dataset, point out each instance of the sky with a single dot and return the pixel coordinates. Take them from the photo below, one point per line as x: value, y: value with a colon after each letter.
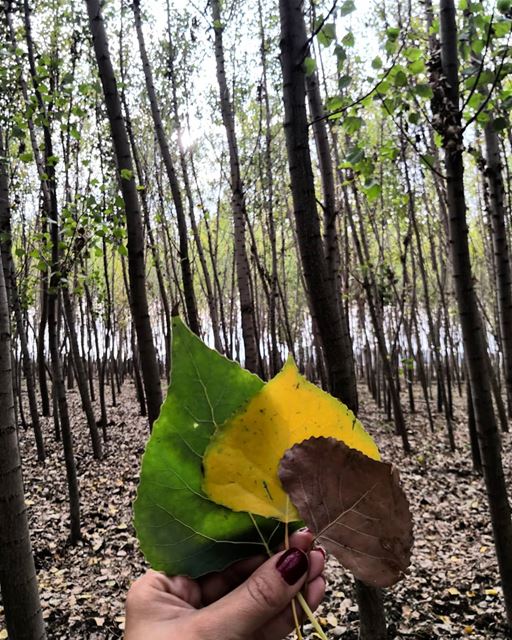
x: 366, y: 41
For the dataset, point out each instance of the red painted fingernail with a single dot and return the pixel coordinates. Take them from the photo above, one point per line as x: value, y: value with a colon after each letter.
x: 292, y: 565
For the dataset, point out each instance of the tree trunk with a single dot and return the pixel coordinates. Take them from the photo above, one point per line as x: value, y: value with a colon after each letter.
x: 136, y: 265
x: 61, y: 413
x: 10, y: 279
x: 80, y: 374
x: 493, y: 174
x: 250, y: 338
x: 186, y: 273
x: 471, y: 322
x: 18, y: 581
x: 327, y: 314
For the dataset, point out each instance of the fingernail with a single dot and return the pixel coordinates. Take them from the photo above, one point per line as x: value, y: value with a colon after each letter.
x: 303, y: 530
x: 322, y: 551
x: 292, y: 565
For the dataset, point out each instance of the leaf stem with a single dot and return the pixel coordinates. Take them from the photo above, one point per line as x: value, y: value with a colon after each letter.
x: 296, y: 620
x: 300, y: 598
x: 262, y: 537
x: 311, y: 616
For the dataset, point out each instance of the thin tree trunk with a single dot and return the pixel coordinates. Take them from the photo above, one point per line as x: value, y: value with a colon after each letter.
x: 493, y: 174
x: 250, y: 338
x: 136, y: 266
x: 10, y: 278
x: 471, y: 322
x: 18, y: 581
x: 61, y: 416
x: 80, y: 374
x: 326, y: 312
x: 186, y: 272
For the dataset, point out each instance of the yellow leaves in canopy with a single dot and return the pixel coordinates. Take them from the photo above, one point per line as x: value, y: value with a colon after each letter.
x: 242, y: 459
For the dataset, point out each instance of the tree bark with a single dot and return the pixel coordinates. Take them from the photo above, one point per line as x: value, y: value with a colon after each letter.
x: 493, y: 174
x: 186, y: 272
x: 136, y: 265
x: 471, y: 322
x: 238, y: 205
x: 80, y: 374
x: 323, y: 306
x: 326, y: 312
x: 13, y: 296
x: 18, y: 581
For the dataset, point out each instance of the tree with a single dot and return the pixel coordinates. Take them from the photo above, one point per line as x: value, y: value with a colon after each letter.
x: 320, y: 283
x: 188, y: 284
x: 18, y: 582
x: 238, y: 205
x: 136, y: 265
x: 475, y: 346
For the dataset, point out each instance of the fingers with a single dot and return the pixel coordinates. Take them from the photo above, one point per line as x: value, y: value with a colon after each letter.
x: 263, y: 596
x: 216, y: 585
x: 302, y: 539
x: 154, y: 588
x: 316, y: 564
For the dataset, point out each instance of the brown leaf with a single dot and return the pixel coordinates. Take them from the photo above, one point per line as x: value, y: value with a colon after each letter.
x: 354, y: 505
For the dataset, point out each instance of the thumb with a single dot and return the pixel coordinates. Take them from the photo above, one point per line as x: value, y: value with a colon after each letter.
x: 263, y: 595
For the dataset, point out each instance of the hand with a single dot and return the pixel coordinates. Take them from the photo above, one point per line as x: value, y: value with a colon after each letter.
x: 251, y: 600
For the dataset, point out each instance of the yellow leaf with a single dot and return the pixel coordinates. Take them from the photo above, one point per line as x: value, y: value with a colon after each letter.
x: 469, y: 629
x: 491, y: 592
x: 3, y: 634
x: 241, y: 461
x: 453, y: 591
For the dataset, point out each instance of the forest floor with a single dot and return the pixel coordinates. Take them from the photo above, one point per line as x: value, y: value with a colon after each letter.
x: 452, y: 590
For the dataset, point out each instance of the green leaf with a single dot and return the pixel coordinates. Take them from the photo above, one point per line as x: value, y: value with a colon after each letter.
x: 372, y: 190
x: 341, y: 54
x: 309, y: 66
x: 377, y: 63
x: 327, y: 34
x: 344, y: 82
x: 126, y: 174
x: 500, y: 123
x: 355, y: 155
x: 413, y: 54
x: 417, y: 67
x: 349, y: 39
x: 400, y: 79
x: 180, y: 530
x: 352, y: 124
x: 428, y: 160
x: 27, y: 156
x: 392, y: 33
x: 334, y: 103
x: 423, y: 90
x: 347, y: 7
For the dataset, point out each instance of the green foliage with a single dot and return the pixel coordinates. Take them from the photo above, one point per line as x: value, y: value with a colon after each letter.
x: 309, y: 66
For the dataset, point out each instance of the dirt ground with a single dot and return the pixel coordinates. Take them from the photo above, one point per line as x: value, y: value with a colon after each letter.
x: 452, y: 590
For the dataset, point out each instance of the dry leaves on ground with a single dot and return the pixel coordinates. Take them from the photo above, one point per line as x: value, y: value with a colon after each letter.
x: 451, y: 591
